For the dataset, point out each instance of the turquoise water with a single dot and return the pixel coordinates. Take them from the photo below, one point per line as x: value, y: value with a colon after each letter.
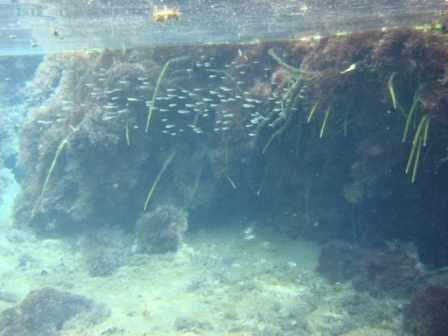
x: 261, y: 186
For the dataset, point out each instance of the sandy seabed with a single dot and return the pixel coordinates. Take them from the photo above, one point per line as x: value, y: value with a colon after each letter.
x: 218, y: 283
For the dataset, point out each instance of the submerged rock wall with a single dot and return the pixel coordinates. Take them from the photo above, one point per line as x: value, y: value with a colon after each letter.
x: 340, y: 137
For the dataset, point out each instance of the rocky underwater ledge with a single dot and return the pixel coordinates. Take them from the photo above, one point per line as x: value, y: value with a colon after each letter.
x: 335, y: 138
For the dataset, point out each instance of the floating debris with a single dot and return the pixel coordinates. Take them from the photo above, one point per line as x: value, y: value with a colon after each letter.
x: 163, y: 13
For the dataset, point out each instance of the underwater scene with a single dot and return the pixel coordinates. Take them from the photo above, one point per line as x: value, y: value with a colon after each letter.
x: 294, y: 186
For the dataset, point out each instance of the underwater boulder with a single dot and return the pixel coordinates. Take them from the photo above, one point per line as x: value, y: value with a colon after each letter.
x: 45, y: 312
x: 161, y: 230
